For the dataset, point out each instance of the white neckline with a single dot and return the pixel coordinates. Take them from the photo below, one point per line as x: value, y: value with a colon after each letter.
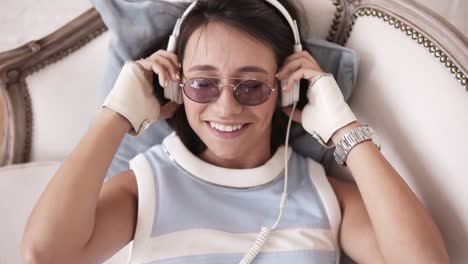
x: 236, y: 178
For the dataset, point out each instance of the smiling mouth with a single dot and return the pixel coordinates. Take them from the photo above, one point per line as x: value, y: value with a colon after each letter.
x: 227, y: 131
x: 226, y: 128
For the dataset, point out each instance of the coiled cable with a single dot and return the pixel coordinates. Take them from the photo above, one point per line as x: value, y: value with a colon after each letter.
x: 265, y: 232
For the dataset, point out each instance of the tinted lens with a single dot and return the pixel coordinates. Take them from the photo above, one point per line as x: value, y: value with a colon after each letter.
x: 201, y: 90
x: 252, y: 92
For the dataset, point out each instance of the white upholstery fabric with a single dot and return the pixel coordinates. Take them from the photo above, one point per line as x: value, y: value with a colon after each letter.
x: 20, y: 187
x: 419, y: 109
x: 24, y: 20
x: 65, y: 98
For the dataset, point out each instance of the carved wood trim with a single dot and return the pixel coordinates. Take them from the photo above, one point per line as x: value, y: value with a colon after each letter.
x: 16, y: 120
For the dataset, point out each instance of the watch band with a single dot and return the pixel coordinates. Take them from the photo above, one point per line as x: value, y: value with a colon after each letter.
x: 351, y: 139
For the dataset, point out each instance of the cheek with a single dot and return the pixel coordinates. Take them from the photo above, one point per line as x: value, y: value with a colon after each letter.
x: 265, y: 111
x: 193, y: 110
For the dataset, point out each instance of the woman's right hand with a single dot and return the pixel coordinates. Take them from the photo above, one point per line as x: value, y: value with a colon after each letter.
x: 165, y: 64
x: 132, y: 94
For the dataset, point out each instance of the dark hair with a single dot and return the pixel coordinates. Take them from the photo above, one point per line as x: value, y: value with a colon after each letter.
x: 255, y: 17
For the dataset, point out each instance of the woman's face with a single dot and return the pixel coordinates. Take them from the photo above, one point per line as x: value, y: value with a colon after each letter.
x: 223, y: 51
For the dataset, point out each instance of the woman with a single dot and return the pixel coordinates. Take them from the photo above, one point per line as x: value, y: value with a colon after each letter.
x: 235, y: 146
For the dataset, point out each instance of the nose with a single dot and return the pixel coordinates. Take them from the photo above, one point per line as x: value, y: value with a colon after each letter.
x: 226, y: 104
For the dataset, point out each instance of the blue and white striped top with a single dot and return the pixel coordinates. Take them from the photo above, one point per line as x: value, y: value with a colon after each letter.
x: 190, y: 211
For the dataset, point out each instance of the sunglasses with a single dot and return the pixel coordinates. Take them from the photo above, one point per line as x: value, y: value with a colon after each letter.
x: 248, y: 92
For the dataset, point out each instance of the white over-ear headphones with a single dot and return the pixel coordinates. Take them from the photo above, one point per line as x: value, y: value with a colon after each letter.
x: 174, y: 93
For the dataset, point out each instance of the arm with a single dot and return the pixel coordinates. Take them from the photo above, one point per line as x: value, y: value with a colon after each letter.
x: 357, y: 236
x: 73, y: 209
x: 76, y: 219
x: 383, y: 207
x: 388, y: 212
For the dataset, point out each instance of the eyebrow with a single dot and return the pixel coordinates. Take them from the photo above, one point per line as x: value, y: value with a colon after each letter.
x: 239, y: 70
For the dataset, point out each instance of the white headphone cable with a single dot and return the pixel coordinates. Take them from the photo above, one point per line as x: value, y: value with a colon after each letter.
x: 265, y: 231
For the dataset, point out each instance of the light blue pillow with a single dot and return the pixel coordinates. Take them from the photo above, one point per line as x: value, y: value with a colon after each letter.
x: 136, y: 26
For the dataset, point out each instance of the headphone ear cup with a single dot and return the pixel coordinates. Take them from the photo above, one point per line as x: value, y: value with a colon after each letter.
x: 291, y: 97
x: 173, y: 92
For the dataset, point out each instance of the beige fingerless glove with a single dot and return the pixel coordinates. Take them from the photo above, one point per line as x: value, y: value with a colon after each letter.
x: 132, y: 97
x: 326, y: 111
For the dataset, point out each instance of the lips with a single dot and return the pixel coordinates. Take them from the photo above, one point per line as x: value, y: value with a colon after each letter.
x: 225, y: 130
x: 226, y: 127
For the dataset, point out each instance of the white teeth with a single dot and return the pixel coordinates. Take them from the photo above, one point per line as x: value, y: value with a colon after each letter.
x: 228, y: 128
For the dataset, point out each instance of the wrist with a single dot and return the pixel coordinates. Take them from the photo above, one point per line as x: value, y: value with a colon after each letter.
x: 114, y: 119
x: 327, y: 111
x: 338, y: 135
x: 132, y: 98
x: 350, y: 137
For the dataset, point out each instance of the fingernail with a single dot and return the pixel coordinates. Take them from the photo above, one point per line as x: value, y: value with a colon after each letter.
x: 166, y: 83
x: 180, y: 65
x: 277, y: 75
x: 177, y: 76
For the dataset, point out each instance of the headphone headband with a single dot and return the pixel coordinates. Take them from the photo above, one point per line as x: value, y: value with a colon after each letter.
x: 292, y: 23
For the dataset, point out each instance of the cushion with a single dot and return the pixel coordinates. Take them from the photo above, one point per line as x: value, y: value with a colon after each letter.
x: 417, y: 107
x: 20, y: 188
x: 137, y: 25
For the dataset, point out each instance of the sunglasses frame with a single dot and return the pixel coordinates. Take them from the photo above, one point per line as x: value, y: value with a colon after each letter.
x: 218, y: 85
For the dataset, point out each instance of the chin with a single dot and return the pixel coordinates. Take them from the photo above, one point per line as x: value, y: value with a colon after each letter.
x: 225, y: 151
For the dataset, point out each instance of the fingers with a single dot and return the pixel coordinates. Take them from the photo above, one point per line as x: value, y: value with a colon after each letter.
x: 295, y: 61
x: 298, y: 66
x: 303, y: 54
x: 165, y: 64
x: 168, y: 60
x: 292, y: 66
x: 145, y: 66
x: 165, y: 70
x: 301, y: 74
x: 169, y: 55
x: 162, y: 74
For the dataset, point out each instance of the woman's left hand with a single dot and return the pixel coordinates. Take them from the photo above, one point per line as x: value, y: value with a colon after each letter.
x: 327, y: 111
x: 298, y: 66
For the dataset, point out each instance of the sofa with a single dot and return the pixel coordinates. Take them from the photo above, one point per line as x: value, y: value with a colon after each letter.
x: 411, y: 88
